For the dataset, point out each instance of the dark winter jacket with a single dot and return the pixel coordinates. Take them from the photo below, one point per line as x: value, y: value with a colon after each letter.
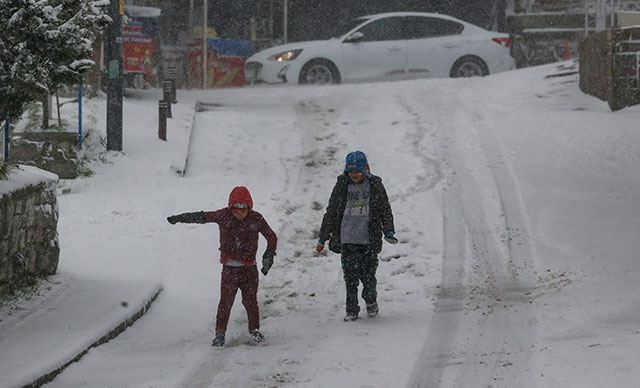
x: 380, y: 216
x: 238, y: 238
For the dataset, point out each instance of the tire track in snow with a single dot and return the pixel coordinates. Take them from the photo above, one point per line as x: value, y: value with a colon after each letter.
x: 319, y: 145
x: 218, y: 160
x: 430, y: 173
x: 296, y: 299
x: 484, y: 322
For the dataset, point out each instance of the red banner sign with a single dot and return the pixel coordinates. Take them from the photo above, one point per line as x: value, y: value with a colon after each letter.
x: 137, y: 49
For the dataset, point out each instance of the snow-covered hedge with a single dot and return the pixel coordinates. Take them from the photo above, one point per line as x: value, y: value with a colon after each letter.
x: 28, y: 227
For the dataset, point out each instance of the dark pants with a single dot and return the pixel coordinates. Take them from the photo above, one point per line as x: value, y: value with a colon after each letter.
x: 246, y: 279
x: 359, y: 265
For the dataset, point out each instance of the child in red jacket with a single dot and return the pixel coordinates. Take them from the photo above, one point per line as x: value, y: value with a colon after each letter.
x: 239, y: 226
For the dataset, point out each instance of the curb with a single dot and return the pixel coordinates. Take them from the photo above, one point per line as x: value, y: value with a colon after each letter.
x: 193, y: 123
x: 113, y: 333
x: 197, y: 108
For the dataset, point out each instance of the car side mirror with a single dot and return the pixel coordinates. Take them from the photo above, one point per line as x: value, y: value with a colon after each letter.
x: 355, y: 37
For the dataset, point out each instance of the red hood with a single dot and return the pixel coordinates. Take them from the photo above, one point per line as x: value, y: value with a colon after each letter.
x: 240, y: 194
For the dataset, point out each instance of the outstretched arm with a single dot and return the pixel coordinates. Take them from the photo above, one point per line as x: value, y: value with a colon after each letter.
x: 188, y: 218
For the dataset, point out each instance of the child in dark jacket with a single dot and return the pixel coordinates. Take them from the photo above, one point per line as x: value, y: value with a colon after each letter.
x: 239, y: 227
x: 357, y: 217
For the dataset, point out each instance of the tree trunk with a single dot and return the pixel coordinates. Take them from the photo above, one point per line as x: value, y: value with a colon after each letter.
x: 58, y: 110
x: 45, y: 111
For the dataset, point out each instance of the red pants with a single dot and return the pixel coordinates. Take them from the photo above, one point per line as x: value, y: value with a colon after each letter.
x: 246, y: 279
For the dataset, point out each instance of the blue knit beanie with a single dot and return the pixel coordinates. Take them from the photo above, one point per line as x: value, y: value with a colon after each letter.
x: 357, y: 161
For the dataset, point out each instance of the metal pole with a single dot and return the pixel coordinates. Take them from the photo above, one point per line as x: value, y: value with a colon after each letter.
x: 586, y: 17
x: 50, y: 103
x: 162, y: 119
x: 58, y: 109
x: 601, y: 15
x: 204, y: 46
x: 173, y: 75
x: 285, y: 22
x: 612, y: 15
x: 271, y: 21
x: 7, y: 127
x: 114, y: 82
x: 190, y: 19
x: 80, y: 116
x: 166, y: 96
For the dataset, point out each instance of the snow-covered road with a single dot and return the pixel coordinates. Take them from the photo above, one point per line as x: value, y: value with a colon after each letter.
x: 516, y: 202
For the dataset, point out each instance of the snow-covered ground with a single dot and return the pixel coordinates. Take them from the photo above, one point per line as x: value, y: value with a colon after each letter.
x: 516, y: 201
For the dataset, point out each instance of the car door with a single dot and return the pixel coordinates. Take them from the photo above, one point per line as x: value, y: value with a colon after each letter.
x: 433, y: 45
x: 380, y: 52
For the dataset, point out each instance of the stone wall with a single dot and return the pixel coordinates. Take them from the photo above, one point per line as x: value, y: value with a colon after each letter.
x: 28, y: 231
x: 50, y: 151
x: 610, y: 66
x: 596, y: 65
x: 626, y: 68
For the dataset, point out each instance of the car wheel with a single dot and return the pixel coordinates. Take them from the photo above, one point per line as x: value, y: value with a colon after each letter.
x: 469, y: 67
x: 319, y: 72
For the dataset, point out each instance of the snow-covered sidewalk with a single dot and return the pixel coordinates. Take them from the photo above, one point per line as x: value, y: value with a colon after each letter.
x: 54, y: 327
x: 46, y: 329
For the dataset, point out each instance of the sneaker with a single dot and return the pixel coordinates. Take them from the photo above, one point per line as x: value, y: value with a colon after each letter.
x: 372, y: 309
x: 218, y: 340
x: 257, y: 336
x: 351, y: 317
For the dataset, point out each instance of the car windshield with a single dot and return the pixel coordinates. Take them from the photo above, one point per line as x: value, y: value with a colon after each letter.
x: 340, y: 29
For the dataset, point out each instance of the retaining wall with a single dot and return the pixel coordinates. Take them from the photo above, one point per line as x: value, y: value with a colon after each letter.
x: 51, y: 151
x: 610, y: 66
x: 28, y: 228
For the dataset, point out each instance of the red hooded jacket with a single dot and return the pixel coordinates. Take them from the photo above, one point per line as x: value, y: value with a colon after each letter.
x: 239, y: 238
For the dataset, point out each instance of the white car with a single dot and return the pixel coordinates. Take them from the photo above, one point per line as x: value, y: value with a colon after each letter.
x: 396, y: 45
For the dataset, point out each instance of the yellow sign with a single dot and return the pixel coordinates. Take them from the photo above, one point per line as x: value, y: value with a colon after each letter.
x: 121, y: 7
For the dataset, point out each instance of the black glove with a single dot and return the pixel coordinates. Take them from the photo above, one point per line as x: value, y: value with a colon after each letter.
x: 267, y: 261
x: 188, y: 218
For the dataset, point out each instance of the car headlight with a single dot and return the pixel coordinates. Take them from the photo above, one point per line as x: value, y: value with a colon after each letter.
x: 285, y: 56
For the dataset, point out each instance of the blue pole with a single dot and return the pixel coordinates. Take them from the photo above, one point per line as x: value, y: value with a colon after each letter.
x: 6, y: 140
x: 80, y: 116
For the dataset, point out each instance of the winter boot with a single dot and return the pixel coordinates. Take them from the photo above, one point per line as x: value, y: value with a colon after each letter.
x: 372, y: 309
x: 257, y: 336
x: 351, y: 317
x: 218, y: 341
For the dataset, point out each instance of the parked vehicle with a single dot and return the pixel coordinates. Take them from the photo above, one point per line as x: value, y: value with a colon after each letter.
x: 396, y: 45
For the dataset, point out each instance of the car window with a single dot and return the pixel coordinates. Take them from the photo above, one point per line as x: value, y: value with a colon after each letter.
x: 340, y: 29
x: 383, y: 29
x: 419, y: 27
